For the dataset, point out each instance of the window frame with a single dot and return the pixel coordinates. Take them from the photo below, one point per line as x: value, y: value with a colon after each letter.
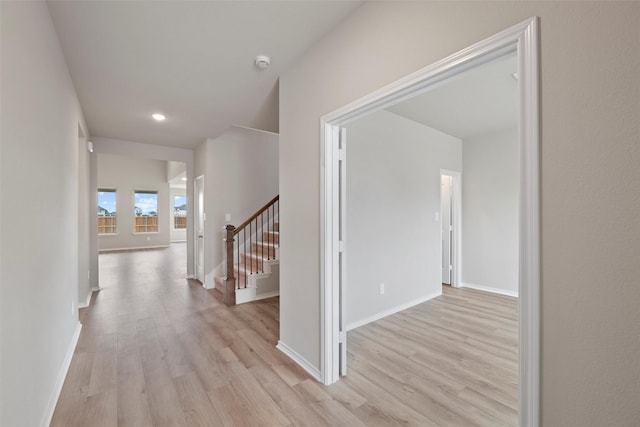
x: 114, y: 225
x: 179, y: 216
x: 146, y: 226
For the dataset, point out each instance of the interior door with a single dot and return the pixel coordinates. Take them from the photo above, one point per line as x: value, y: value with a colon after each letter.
x: 199, y: 229
x: 446, y: 183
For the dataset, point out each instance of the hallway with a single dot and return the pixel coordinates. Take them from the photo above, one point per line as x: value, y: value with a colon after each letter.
x: 157, y: 349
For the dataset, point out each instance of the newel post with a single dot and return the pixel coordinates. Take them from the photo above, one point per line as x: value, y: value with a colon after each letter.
x: 229, y: 294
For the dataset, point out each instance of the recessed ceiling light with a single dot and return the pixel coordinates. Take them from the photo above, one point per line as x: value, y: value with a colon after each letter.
x: 158, y: 117
x: 184, y: 178
x: 515, y: 76
x: 262, y: 61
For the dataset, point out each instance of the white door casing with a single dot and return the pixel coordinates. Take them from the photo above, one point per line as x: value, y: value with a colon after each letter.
x: 342, y: 162
x: 446, y: 227
x: 522, y: 38
x: 455, y: 236
x: 199, y: 228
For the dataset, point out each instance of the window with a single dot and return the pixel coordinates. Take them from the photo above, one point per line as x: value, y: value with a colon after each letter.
x: 179, y: 212
x: 107, y: 222
x: 146, y: 210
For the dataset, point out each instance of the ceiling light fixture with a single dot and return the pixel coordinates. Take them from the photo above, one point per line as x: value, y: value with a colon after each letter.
x: 158, y: 117
x: 184, y: 178
x: 262, y: 61
x: 515, y: 75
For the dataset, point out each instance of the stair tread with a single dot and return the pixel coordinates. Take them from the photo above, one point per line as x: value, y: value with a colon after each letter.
x: 270, y: 244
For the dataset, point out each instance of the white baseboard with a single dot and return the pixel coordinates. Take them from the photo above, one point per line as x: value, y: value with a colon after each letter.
x: 267, y: 295
x: 304, y: 364
x: 85, y: 304
x: 134, y: 248
x: 392, y: 310
x: 490, y: 289
x: 62, y: 374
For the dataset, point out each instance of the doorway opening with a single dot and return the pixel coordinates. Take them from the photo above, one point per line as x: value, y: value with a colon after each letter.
x: 522, y: 40
x: 451, y: 226
x: 141, y: 204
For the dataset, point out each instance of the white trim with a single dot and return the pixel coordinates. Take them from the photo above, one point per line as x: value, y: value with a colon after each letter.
x: 62, y: 374
x: 457, y: 227
x: 134, y: 248
x: 522, y: 38
x: 87, y: 301
x: 209, y: 282
x: 529, y: 286
x: 489, y: 289
x: 266, y: 132
x: 267, y: 295
x: 244, y: 295
x: 393, y: 310
x: 196, y: 221
x: 304, y: 363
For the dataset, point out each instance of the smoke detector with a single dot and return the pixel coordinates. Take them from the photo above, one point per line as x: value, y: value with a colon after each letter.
x: 262, y: 61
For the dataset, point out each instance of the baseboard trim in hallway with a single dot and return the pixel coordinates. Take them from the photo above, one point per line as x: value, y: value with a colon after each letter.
x: 490, y: 289
x: 301, y: 361
x: 62, y: 375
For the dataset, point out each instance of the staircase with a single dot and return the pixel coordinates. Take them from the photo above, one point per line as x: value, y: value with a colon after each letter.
x: 253, y: 250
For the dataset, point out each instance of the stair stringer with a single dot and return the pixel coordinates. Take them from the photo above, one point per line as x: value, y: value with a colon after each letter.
x: 265, y: 284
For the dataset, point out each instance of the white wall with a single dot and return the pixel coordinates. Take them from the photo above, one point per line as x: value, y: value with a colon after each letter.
x: 241, y: 176
x: 40, y: 115
x: 590, y: 162
x: 174, y: 169
x: 490, y: 189
x: 179, y: 235
x: 393, y: 191
x: 127, y: 175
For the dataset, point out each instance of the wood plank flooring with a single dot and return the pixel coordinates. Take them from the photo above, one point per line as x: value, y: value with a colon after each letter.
x: 159, y: 350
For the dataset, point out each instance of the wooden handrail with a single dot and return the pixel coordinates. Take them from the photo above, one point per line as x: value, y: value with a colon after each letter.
x: 256, y: 215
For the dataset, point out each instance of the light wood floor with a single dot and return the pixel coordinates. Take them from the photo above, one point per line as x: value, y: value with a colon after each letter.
x: 158, y: 350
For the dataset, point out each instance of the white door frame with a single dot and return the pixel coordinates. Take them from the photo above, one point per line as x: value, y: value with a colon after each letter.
x: 523, y: 39
x: 196, y: 238
x: 456, y: 196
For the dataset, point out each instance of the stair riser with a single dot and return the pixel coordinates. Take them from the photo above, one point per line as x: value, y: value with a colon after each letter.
x: 264, y: 251
x: 250, y: 264
x: 272, y: 237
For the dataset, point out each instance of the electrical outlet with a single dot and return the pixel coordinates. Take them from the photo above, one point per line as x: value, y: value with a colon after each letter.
x: 73, y: 308
x: 381, y: 288
x: 148, y: 238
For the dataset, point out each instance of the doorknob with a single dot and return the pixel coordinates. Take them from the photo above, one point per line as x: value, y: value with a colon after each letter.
x: 200, y: 236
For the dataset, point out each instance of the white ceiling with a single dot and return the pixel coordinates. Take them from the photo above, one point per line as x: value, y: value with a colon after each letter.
x: 480, y: 102
x: 192, y: 61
